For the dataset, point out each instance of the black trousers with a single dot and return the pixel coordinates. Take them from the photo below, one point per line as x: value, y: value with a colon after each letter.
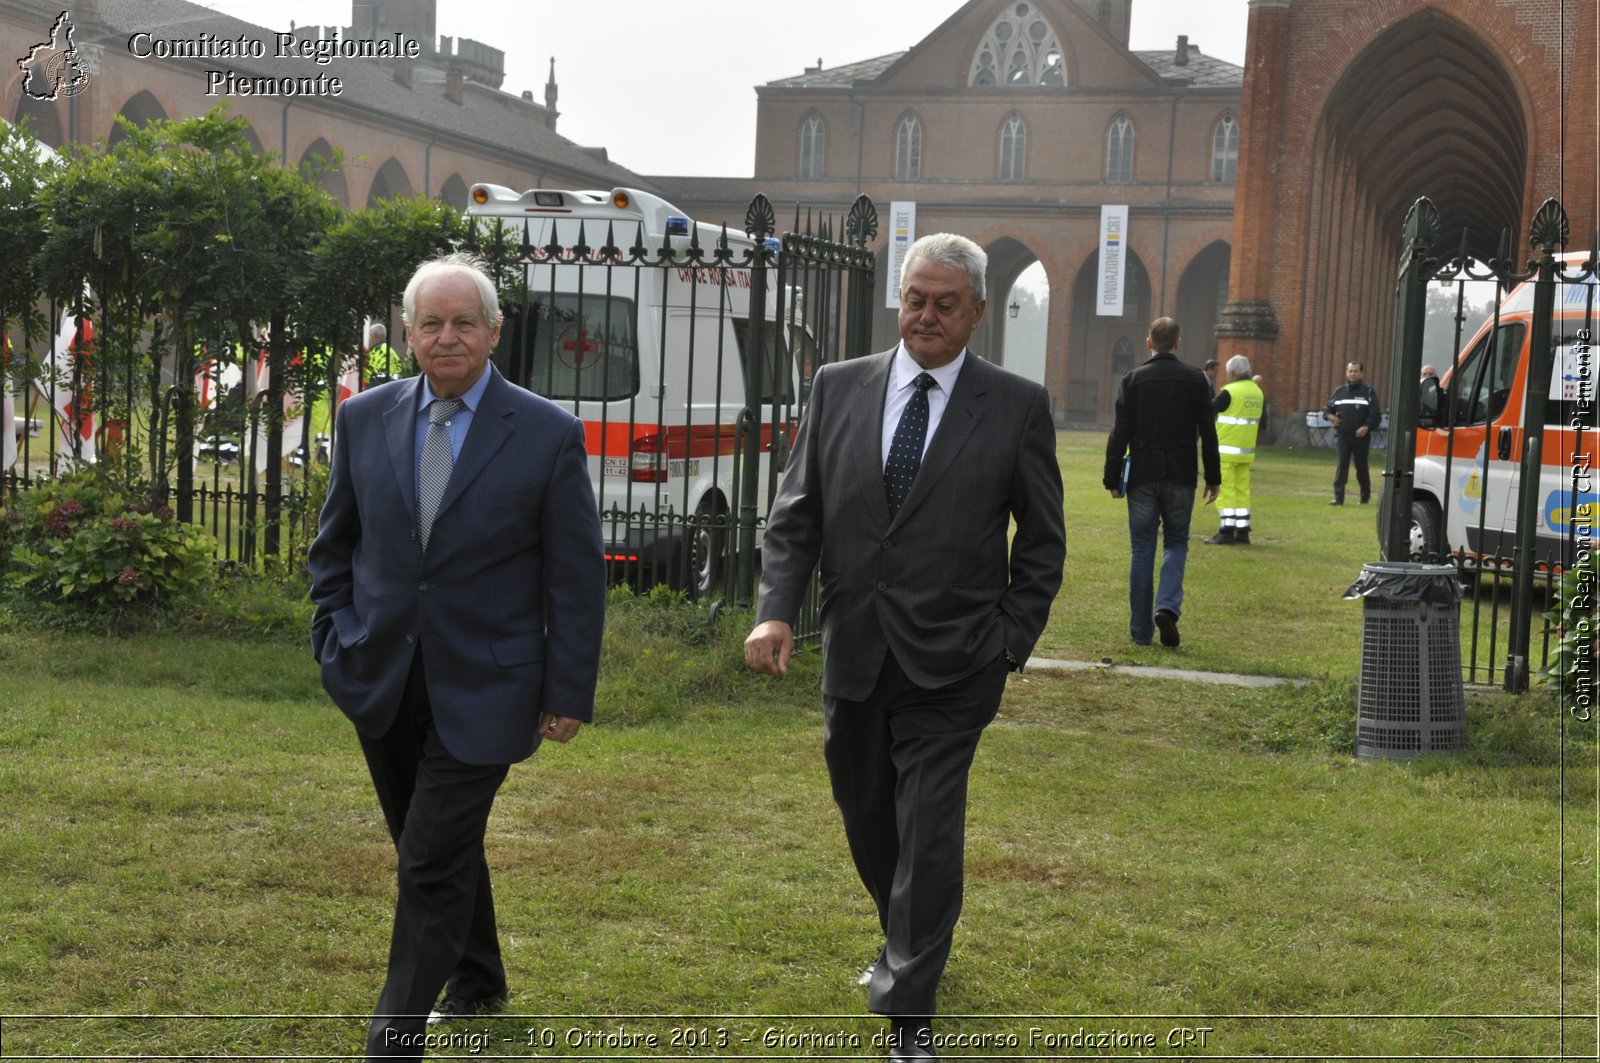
x: 437, y: 809
x: 1353, y: 446
x: 898, y: 764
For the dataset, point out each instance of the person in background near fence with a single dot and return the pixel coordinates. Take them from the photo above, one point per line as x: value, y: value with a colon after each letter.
x: 1240, y: 407
x: 1164, y: 429
x: 384, y: 363
x: 1354, y: 412
x: 907, y: 471
x: 460, y: 588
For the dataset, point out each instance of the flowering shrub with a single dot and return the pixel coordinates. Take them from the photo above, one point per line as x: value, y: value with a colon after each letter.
x: 88, y: 539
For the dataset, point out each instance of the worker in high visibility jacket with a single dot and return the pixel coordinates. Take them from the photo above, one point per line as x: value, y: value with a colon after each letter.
x: 1239, y: 405
x: 383, y: 362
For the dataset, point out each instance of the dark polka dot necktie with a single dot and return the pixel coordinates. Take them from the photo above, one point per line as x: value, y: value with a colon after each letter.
x: 905, y: 450
x: 433, y: 470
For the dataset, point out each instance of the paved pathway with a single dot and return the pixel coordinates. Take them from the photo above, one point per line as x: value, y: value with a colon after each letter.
x: 1045, y: 664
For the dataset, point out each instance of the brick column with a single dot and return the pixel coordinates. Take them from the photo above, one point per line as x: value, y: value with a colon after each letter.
x: 1248, y: 324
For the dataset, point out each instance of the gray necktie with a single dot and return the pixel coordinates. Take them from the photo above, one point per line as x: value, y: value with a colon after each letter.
x: 433, y: 471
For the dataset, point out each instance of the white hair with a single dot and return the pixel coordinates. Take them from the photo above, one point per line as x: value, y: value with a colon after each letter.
x: 462, y: 263
x: 1238, y: 367
x: 949, y: 249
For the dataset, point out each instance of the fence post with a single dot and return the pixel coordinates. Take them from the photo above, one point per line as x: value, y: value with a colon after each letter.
x: 759, y: 223
x: 1416, y: 268
x: 277, y: 385
x: 861, y: 228
x: 183, y: 409
x: 1548, y: 232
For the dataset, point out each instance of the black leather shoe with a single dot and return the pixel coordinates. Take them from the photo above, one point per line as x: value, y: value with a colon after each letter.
x: 1335, y: 501
x: 453, y: 1008
x: 911, y: 1039
x: 1222, y: 538
x: 1167, y: 624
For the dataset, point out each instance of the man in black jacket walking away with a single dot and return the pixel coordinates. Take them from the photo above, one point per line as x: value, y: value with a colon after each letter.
x: 1354, y: 413
x: 1164, y: 428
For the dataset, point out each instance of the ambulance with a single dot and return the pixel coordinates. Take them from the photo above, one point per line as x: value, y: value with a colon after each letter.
x: 653, y: 358
x: 1470, y: 438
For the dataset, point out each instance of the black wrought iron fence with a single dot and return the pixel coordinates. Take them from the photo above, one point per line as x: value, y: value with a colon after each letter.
x: 688, y: 356
x: 1490, y: 463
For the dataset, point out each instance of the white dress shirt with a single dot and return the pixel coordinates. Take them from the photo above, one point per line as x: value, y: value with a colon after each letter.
x: 902, y: 371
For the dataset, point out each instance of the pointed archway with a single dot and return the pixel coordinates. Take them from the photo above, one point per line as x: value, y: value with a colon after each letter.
x: 1428, y: 108
x: 1099, y: 347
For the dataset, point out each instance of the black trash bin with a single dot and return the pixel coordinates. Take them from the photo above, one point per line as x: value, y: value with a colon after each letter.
x: 1410, y: 700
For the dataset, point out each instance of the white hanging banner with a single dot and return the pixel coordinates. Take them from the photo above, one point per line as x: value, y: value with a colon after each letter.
x: 1113, y: 242
x: 902, y: 234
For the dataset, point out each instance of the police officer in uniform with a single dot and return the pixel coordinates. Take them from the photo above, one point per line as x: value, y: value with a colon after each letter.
x: 1239, y: 407
x: 1354, y: 412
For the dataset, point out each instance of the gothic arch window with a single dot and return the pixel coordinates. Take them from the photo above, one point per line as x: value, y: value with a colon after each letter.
x: 1119, y: 151
x: 1020, y: 50
x: 813, y: 138
x: 908, y: 149
x: 1013, y: 149
x: 1225, y: 151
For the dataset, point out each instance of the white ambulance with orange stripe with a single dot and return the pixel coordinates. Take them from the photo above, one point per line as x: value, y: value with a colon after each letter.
x: 653, y: 359
x: 1471, y: 436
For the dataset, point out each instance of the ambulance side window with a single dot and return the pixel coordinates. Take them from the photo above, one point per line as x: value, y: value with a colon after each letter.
x: 777, y: 370
x: 1481, y: 384
x: 561, y: 347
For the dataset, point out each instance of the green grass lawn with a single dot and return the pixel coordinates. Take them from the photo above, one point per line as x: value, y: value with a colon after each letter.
x: 1179, y: 869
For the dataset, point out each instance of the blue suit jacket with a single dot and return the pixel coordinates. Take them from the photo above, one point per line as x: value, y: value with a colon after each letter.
x: 508, y: 604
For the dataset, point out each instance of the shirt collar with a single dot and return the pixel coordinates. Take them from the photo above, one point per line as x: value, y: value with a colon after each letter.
x: 473, y: 396
x: 904, y: 369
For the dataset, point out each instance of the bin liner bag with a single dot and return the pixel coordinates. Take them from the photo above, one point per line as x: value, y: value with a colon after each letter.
x: 1406, y: 581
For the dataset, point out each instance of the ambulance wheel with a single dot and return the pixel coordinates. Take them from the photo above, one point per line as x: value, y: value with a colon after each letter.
x: 1427, y: 532
x: 707, y: 548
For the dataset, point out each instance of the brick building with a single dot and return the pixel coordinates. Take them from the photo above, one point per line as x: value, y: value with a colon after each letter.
x: 1013, y: 122
x: 433, y: 123
x: 1355, y: 108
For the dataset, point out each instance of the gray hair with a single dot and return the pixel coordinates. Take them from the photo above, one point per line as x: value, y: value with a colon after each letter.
x: 378, y: 333
x: 949, y: 249
x: 460, y: 262
x: 1238, y: 367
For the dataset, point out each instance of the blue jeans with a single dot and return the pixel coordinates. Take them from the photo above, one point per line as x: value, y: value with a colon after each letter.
x: 1168, y: 504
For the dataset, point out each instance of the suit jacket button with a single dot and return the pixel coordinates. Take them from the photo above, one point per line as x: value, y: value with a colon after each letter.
x: 422, y: 586
x: 882, y: 586
x: 888, y: 543
x: 410, y: 639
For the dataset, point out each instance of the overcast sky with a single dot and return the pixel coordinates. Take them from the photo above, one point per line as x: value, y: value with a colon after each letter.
x: 669, y: 87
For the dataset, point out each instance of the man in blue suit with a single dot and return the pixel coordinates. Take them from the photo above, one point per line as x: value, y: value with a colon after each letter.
x: 459, y: 582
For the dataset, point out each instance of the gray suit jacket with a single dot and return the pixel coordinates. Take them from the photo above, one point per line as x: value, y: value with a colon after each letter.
x: 937, y: 585
x: 508, y: 604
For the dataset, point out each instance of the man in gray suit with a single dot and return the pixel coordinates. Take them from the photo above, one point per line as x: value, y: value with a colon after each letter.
x: 459, y: 582
x: 906, y: 474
